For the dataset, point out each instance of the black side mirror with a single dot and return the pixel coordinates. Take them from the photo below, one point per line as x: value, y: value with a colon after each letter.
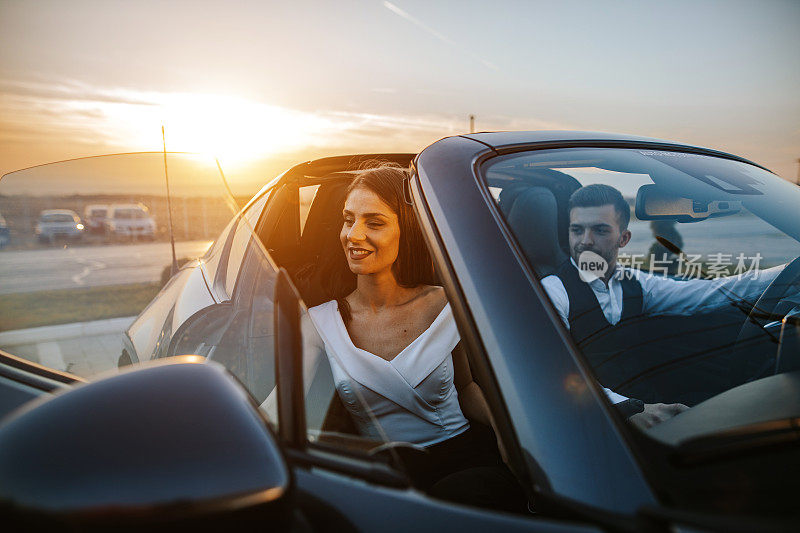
x: 177, y: 442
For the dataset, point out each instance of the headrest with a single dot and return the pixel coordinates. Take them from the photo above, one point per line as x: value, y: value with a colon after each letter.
x: 533, y: 215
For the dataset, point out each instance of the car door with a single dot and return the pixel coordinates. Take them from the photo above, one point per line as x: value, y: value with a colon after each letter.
x: 237, y: 331
x: 341, y: 484
x: 538, y: 389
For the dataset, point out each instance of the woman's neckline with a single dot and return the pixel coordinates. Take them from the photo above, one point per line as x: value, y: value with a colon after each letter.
x: 346, y: 333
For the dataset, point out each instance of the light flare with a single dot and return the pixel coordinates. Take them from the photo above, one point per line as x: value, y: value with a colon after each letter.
x: 235, y: 129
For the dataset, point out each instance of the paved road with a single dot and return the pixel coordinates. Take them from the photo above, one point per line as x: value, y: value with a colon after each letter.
x: 89, y: 266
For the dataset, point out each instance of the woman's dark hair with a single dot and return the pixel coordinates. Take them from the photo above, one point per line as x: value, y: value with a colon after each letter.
x: 413, y: 266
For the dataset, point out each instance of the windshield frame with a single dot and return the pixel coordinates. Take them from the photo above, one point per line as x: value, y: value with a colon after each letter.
x: 482, y: 164
x: 656, y: 458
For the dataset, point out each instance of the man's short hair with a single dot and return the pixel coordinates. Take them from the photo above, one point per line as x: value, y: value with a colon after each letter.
x: 597, y: 195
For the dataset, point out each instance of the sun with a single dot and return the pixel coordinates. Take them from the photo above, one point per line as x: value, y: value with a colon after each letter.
x: 234, y: 129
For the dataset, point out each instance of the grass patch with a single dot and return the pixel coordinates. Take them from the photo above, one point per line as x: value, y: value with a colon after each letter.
x: 64, y: 306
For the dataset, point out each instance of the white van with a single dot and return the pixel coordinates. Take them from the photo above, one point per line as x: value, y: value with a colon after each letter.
x: 130, y: 220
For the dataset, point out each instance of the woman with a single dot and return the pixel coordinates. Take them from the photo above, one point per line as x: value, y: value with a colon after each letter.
x: 391, y: 340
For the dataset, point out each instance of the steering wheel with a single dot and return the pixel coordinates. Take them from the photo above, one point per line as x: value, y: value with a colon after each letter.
x: 764, y: 307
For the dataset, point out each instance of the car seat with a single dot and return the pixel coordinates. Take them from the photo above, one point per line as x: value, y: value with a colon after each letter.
x: 536, y: 209
x: 320, y: 239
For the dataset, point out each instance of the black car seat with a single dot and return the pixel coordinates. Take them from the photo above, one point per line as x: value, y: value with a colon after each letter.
x: 320, y: 240
x: 536, y: 211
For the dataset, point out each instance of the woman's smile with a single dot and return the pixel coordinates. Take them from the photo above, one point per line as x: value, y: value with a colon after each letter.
x: 356, y: 254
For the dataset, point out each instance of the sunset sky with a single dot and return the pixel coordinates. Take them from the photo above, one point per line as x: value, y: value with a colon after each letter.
x: 264, y: 85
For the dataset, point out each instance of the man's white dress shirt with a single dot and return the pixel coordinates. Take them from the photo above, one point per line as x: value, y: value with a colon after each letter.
x: 662, y: 295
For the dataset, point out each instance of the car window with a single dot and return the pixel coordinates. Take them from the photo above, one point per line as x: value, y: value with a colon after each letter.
x: 337, y: 413
x: 213, y: 255
x: 245, y: 229
x: 87, y: 299
x: 307, y: 195
x: 663, y: 306
x: 57, y: 218
x: 239, y: 334
x: 130, y: 213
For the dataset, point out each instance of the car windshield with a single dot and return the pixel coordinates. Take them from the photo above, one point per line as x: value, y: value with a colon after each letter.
x: 68, y: 294
x: 115, y: 295
x: 130, y: 213
x: 59, y: 217
x: 675, y: 274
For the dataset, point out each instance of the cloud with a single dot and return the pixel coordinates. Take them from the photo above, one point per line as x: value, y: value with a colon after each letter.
x: 403, y: 14
x: 45, y: 121
x: 67, y: 90
x: 116, y: 118
x: 397, y: 11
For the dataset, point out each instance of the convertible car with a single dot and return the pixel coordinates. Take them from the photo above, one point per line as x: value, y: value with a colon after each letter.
x: 213, y: 418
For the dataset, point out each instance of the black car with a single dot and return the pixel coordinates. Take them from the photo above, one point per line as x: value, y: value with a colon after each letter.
x: 253, y: 436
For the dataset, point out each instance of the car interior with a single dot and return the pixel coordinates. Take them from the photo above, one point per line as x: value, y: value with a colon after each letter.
x: 640, y: 358
x: 645, y: 363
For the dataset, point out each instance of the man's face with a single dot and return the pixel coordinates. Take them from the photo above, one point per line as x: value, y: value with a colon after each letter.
x: 596, y: 229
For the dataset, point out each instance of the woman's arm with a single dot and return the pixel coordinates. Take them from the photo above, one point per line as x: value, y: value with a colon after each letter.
x: 470, y: 396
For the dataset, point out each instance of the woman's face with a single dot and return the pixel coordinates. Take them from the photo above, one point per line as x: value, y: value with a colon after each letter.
x: 370, y: 233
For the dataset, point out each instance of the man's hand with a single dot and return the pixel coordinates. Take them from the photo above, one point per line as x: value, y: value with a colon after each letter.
x: 655, y: 413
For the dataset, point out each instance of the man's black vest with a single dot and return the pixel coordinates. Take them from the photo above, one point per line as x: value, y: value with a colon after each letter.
x: 599, y: 340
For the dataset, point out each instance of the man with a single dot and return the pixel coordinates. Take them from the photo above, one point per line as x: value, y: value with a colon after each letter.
x: 593, y: 294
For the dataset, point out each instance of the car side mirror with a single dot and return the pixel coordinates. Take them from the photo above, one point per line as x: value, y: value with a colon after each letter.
x: 655, y: 203
x: 177, y: 442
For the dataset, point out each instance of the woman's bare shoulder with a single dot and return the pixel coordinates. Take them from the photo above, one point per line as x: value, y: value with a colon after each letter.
x: 434, y: 297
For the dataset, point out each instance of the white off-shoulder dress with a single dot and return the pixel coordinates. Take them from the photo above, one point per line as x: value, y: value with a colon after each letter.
x: 411, y: 398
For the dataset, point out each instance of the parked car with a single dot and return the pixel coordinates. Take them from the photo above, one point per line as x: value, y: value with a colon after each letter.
x: 58, y: 224
x: 94, y: 217
x: 130, y: 220
x: 494, y: 210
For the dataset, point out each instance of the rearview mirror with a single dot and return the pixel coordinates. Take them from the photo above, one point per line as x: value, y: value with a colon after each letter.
x: 654, y: 203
